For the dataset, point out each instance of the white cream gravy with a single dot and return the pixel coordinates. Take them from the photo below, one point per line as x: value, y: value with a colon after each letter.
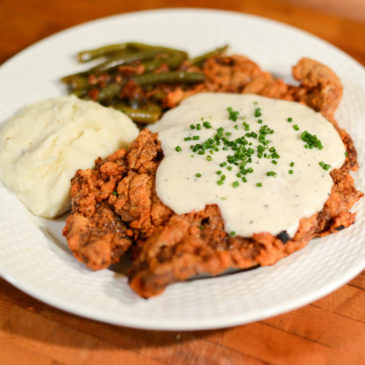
x: 283, y: 199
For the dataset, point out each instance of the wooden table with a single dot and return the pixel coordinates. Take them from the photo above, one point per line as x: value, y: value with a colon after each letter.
x: 329, y: 331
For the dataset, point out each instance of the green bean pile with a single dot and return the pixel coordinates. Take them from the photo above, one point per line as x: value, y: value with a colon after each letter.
x: 132, y: 77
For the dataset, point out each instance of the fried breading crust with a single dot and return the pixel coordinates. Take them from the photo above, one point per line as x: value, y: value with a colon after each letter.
x: 170, y: 247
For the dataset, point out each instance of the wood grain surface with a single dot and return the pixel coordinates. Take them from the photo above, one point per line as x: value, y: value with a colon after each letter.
x: 329, y: 331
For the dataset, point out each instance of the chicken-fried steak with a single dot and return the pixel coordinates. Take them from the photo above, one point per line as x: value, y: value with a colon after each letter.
x: 115, y: 205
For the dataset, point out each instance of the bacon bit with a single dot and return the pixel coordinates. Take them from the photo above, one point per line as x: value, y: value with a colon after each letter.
x: 93, y: 94
x: 131, y: 90
x: 129, y: 71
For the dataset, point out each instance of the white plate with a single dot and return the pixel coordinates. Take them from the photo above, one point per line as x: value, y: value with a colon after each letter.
x: 33, y: 253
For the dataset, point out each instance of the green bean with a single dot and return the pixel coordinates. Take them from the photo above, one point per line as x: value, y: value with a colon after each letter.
x: 109, y: 91
x: 168, y: 77
x: 173, y: 60
x: 139, y: 115
x: 176, y: 59
x: 202, y: 58
x: 152, y: 65
x: 78, y: 82
x: 69, y: 78
x: 112, y: 49
x: 124, y: 59
x: 81, y: 93
x: 91, y: 54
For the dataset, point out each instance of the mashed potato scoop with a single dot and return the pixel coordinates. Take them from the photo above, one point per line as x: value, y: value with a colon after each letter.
x: 43, y: 146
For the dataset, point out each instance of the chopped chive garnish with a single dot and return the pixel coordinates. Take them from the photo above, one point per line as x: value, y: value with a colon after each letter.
x: 220, y: 182
x: 271, y: 173
x: 195, y: 138
x: 218, y: 172
x: 114, y: 193
x: 209, y: 158
x: 291, y: 172
x: 258, y: 112
x: 296, y: 127
x: 178, y: 149
x: 192, y: 156
x: 246, y: 127
x: 198, y: 127
x: 229, y: 168
x: 232, y: 233
x: 324, y: 165
x: 198, y: 174
x: 187, y: 139
x: 235, y: 184
x: 223, y: 198
x: 346, y: 154
x: 291, y: 164
x: 232, y: 114
x: 274, y: 162
x: 259, y: 121
x: 192, y: 126
x: 290, y: 119
x: 311, y: 140
x: 207, y: 125
x: 259, y: 185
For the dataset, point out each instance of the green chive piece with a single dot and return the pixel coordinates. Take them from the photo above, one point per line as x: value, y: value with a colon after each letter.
x: 198, y: 174
x: 291, y: 164
x: 291, y: 172
x: 178, y: 149
x: 271, y: 173
x: 232, y: 233
x: 312, y: 141
x: 296, y: 127
x: 209, y: 158
x: 259, y: 185
x: 324, y: 165
x: 232, y: 114
x: 235, y: 184
x: 290, y: 120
